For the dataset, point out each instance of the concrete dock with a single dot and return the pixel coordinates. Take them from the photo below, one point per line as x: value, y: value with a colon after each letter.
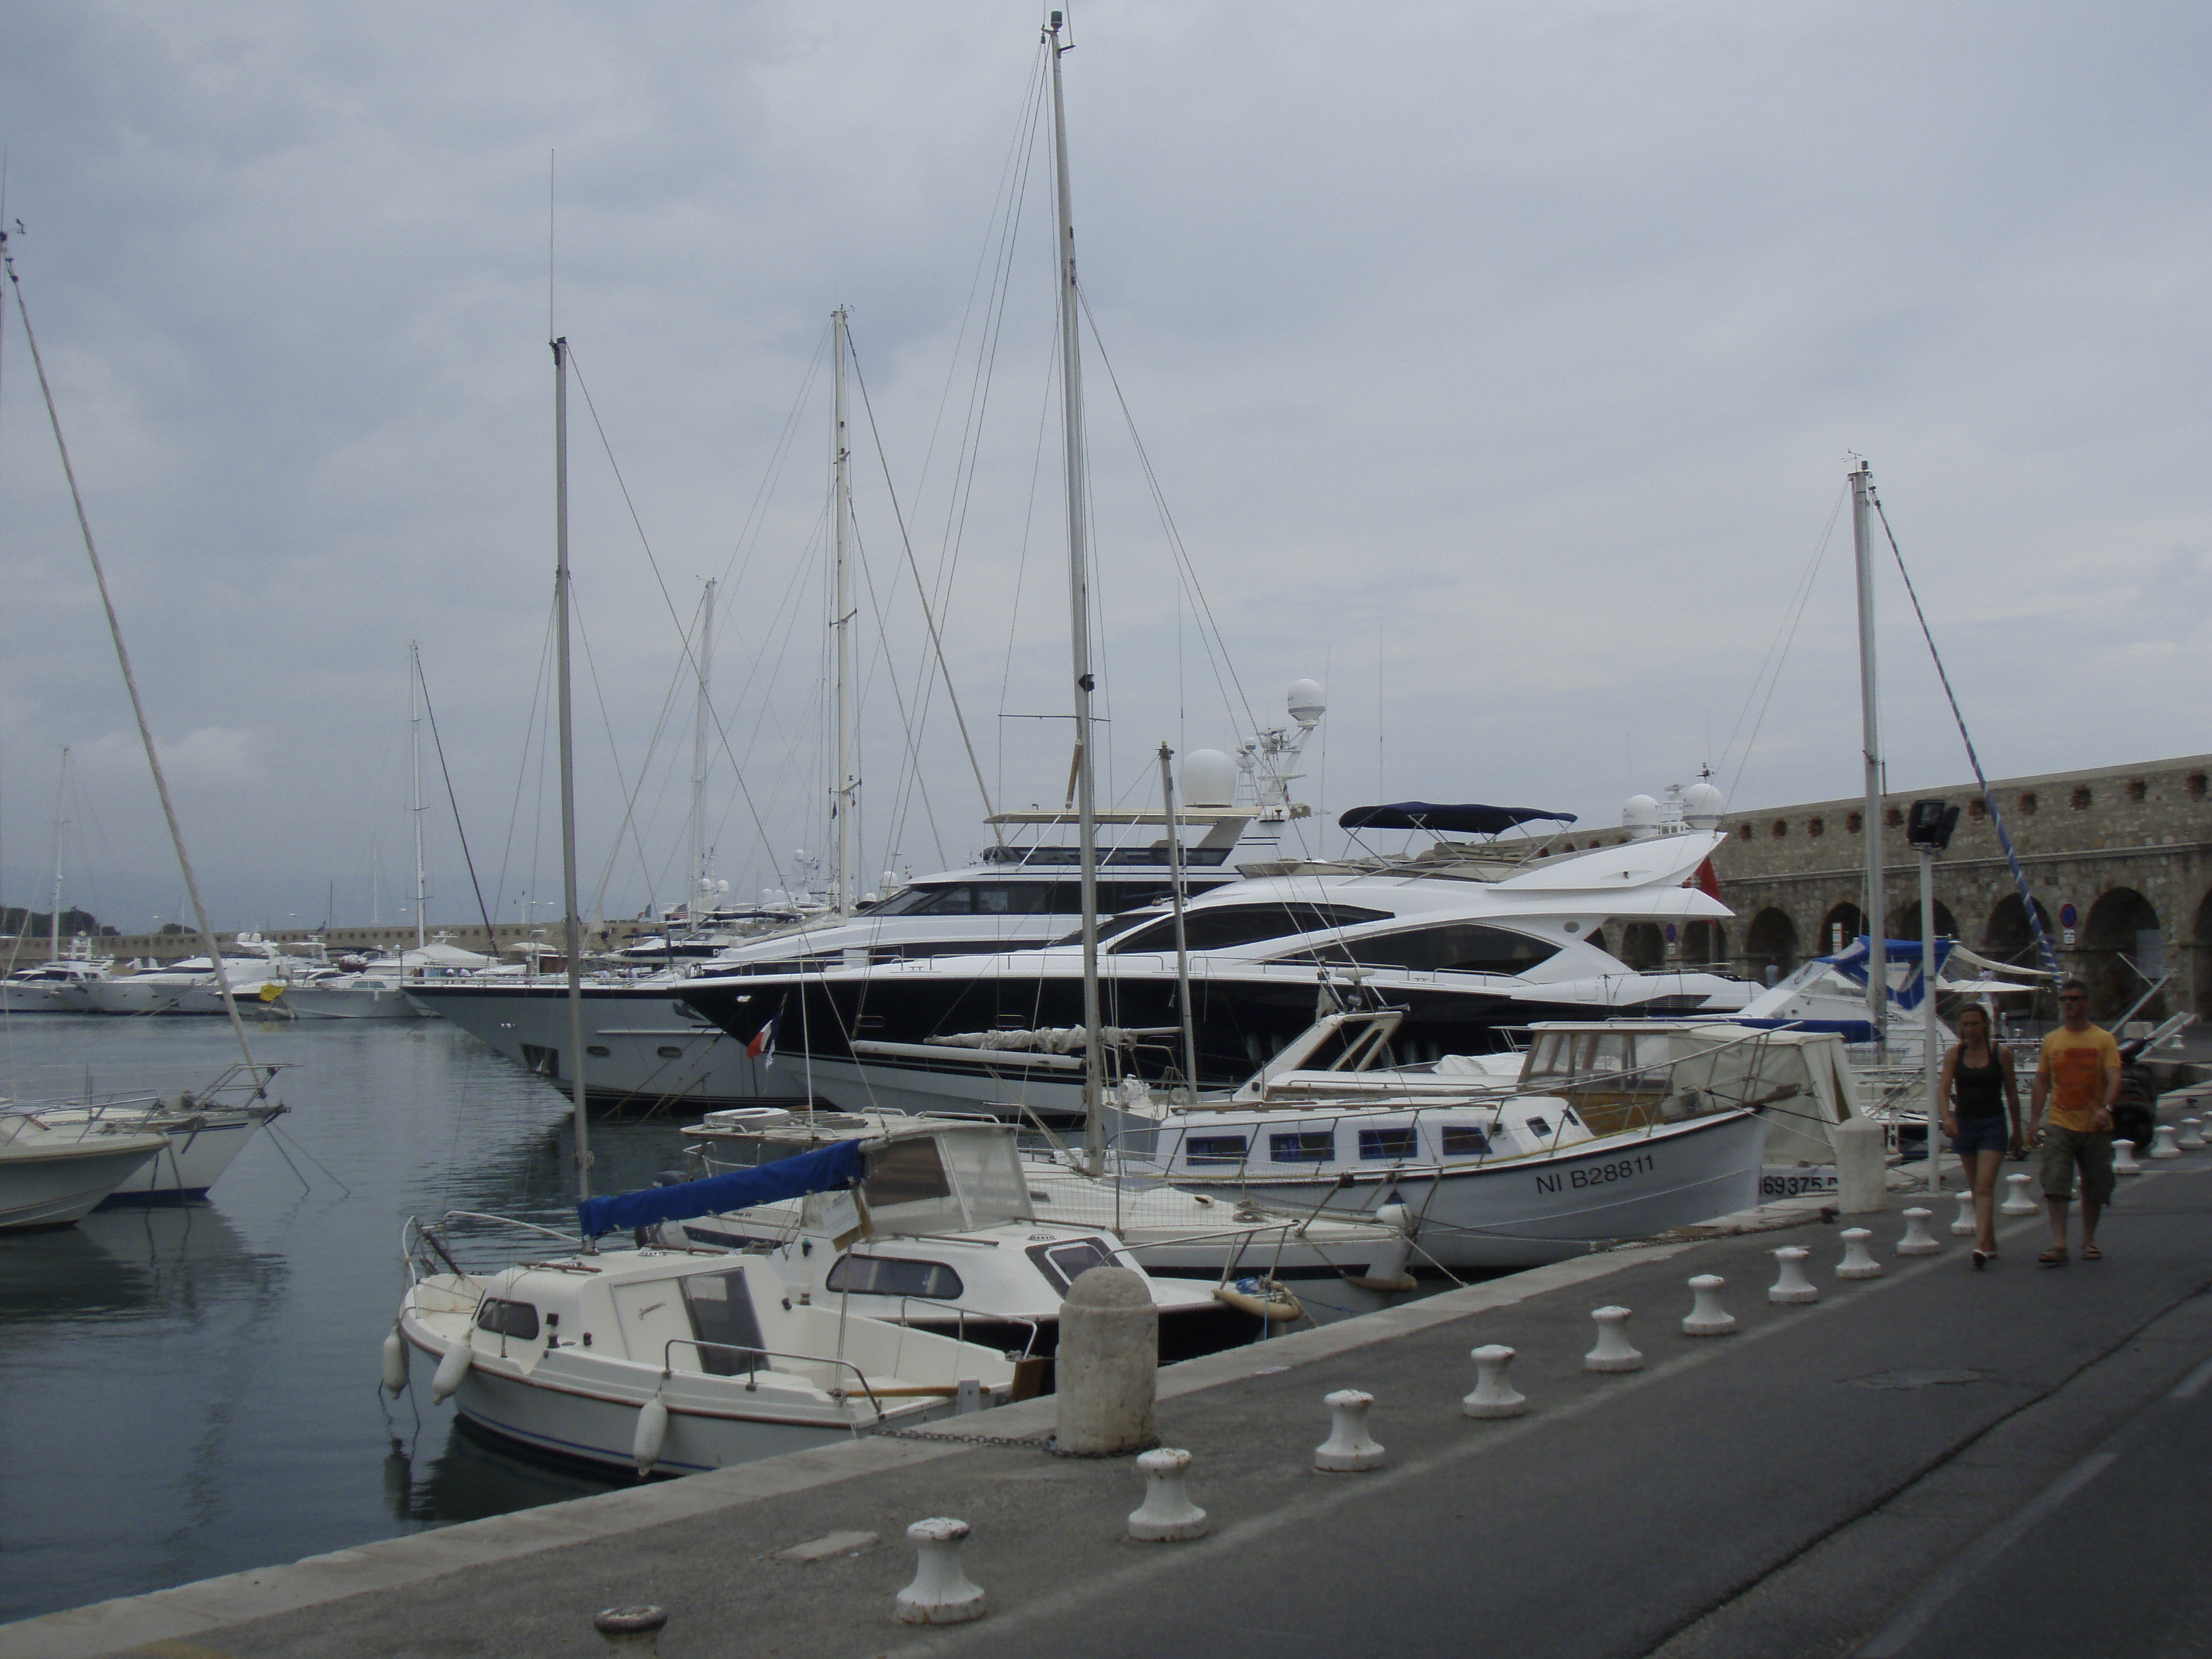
x: 1936, y: 1461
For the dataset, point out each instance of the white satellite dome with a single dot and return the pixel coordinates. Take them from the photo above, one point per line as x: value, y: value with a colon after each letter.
x: 1640, y: 816
x: 1702, y: 806
x: 1209, y: 779
x: 1307, y: 704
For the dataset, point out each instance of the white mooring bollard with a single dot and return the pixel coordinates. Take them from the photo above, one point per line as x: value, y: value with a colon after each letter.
x: 2192, y: 1135
x: 1858, y: 1261
x: 1349, y: 1448
x: 633, y: 1632
x: 1493, y: 1396
x: 941, y: 1593
x: 2165, y: 1141
x: 2124, y: 1157
x: 1613, y: 1351
x: 1917, y: 1240
x: 1706, y: 1317
x: 1861, y: 1182
x: 1790, y: 1285
x: 1963, y: 1227
x: 1167, y: 1515
x: 1107, y: 1369
x: 2018, y: 1202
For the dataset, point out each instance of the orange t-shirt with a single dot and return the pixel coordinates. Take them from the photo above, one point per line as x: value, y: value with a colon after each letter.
x: 2074, y: 1064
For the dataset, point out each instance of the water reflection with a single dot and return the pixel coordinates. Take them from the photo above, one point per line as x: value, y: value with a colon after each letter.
x: 472, y: 1476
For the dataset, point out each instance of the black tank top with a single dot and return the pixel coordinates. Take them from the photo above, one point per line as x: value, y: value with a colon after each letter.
x: 1980, y: 1089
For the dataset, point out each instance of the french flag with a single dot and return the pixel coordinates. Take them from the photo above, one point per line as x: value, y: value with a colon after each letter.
x: 763, y: 1047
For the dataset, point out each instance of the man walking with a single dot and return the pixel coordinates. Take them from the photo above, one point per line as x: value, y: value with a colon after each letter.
x: 2078, y: 1078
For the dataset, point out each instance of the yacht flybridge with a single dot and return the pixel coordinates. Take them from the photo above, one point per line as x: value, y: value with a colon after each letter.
x: 1470, y: 939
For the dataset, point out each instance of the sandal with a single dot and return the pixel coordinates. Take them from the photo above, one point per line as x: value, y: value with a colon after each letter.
x: 1981, y: 1260
x: 2053, y: 1257
x: 2091, y: 1253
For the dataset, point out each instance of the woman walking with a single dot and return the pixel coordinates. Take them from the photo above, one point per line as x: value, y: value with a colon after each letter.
x: 1979, y: 1095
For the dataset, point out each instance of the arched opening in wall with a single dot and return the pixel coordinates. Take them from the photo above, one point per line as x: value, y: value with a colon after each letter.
x: 1904, y: 922
x: 1643, y: 947
x: 1705, y: 943
x: 1772, y: 943
x: 1843, y: 924
x: 2200, y: 942
x: 2008, y: 938
x: 2122, y: 956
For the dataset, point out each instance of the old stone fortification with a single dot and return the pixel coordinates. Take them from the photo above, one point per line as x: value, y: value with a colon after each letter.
x: 2129, y: 847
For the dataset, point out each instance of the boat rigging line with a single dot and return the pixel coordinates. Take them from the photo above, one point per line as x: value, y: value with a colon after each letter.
x: 437, y: 744
x: 1785, y: 636
x: 130, y: 680
x: 1988, y: 797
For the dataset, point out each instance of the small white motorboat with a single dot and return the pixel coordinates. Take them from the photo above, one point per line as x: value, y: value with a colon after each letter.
x: 349, y: 996
x: 668, y: 1361
x: 56, y: 1179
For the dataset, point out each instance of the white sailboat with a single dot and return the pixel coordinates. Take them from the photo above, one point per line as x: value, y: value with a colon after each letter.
x: 654, y: 1358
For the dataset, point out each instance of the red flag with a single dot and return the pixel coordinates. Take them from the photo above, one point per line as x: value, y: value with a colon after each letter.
x: 1706, y: 882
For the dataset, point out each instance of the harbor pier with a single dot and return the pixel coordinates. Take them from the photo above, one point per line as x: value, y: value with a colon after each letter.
x: 1931, y: 1461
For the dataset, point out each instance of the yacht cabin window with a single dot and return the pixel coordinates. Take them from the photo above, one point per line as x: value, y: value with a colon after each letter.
x: 1222, y: 927
x: 1466, y: 1141
x: 1063, y: 1264
x: 1451, y: 947
x: 1214, y: 1149
x: 876, y: 1275
x: 515, y: 1319
x: 1303, y: 1146
x: 723, y: 1319
x: 1397, y: 1144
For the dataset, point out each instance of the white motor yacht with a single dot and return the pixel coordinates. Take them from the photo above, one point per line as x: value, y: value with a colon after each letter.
x: 364, y: 995
x: 204, y: 1131
x: 53, y: 987
x: 1497, y: 1176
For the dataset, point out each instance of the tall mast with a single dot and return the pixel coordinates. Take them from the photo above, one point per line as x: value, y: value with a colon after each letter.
x: 571, y: 929
x: 414, y: 771
x: 1078, y: 598
x: 54, y: 921
x: 704, y: 657
x: 845, y: 798
x: 1877, y: 926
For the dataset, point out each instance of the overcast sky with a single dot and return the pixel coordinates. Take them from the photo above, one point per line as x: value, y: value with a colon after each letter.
x: 1497, y: 363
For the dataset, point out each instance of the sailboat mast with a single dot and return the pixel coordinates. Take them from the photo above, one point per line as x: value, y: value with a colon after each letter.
x: 54, y: 921
x: 572, y: 932
x: 704, y: 657
x: 1877, y: 926
x: 415, y: 771
x: 847, y: 794
x: 1078, y: 596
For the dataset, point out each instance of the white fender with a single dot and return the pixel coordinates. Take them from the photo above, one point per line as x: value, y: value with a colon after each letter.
x: 395, y: 1362
x: 1386, y: 1271
x: 451, y: 1368
x: 652, y: 1433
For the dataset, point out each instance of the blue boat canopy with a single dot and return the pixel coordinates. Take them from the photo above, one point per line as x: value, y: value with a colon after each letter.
x: 823, y: 1170
x: 1467, y: 819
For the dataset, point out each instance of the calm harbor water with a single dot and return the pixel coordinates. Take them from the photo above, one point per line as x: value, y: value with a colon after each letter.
x: 194, y: 1391
x: 188, y: 1392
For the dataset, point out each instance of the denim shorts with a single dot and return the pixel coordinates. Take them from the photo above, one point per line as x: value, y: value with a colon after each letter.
x: 1981, y: 1134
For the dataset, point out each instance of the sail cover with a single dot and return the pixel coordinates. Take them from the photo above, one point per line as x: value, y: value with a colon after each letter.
x: 840, y: 1164
x: 1467, y: 819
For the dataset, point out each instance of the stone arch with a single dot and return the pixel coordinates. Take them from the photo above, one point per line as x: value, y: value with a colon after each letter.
x: 1904, y: 920
x: 2123, y: 953
x: 2200, y: 947
x: 1845, y: 915
x: 1643, y: 947
x: 1704, y: 944
x: 2008, y: 938
x: 1773, y: 940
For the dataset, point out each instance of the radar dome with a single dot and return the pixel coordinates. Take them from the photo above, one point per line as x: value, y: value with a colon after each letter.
x: 1702, y: 806
x: 1307, y: 704
x: 1640, y: 816
x: 1209, y: 779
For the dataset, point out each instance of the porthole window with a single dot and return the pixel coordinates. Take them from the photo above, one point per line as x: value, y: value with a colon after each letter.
x: 669, y: 1051
x: 598, y: 1050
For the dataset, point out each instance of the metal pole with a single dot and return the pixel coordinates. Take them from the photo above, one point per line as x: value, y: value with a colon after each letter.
x: 1079, y: 595
x: 415, y: 769
x: 572, y: 930
x: 1182, y: 955
x: 54, y: 921
x: 703, y: 658
x: 1931, y: 1056
x: 1870, y: 725
x: 846, y: 798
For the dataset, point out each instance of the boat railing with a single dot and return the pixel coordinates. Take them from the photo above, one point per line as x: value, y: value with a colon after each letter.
x: 750, y: 1363
x: 960, y: 1324
x: 417, y: 1235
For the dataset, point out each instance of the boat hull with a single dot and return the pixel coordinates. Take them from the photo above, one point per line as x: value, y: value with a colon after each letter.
x: 56, y: 1184
x: 1525, y: 1213
x: 315, y: 1002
